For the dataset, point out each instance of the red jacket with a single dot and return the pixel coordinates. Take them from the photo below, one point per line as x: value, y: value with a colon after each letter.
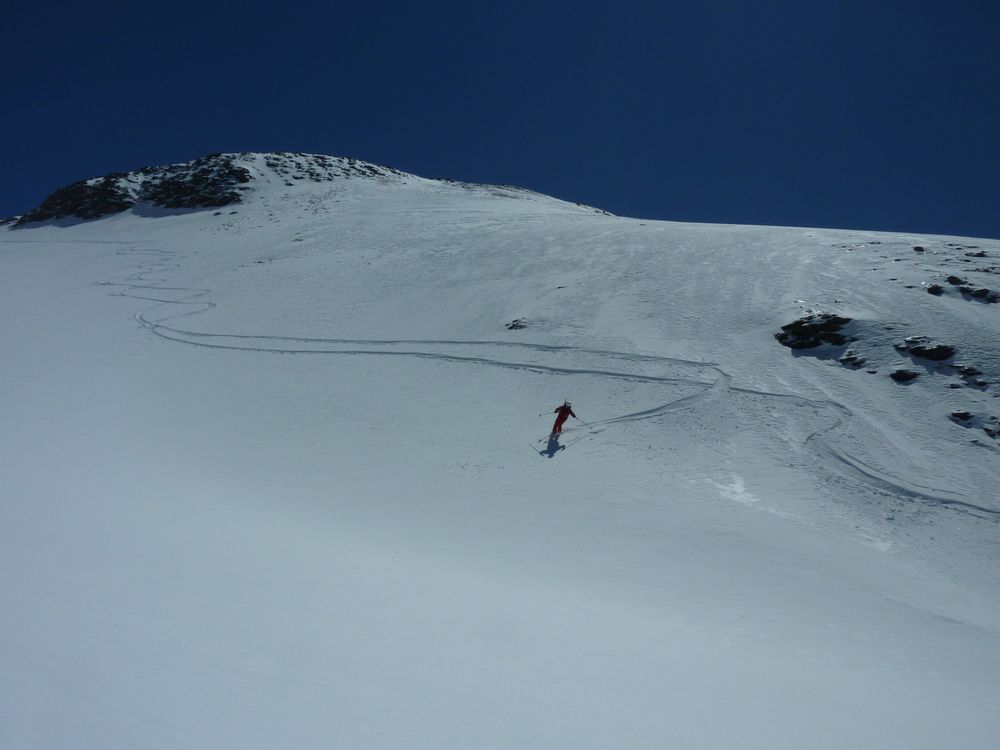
x: 564, y: 413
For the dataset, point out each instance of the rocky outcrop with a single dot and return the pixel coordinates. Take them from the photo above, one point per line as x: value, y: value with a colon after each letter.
x: 990, y: 424
x: 88, y: 199
x: 851, y: 358
x: 983, y: 294
x: 966, y: 289
x: 925, y: 348
x: 209, y: 182
x: 813, y: 330
x: 970, y: 376
x: 299, y: 167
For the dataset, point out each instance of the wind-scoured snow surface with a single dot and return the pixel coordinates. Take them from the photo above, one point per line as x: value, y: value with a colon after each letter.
x: 273, y: 476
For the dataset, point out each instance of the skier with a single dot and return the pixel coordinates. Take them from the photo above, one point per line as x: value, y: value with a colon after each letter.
x: 563, y: 413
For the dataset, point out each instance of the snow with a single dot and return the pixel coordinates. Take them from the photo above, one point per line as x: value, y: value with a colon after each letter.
x: 271, y: 478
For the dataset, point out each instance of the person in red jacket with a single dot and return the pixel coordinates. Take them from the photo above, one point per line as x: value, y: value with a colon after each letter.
x: 562, y: 413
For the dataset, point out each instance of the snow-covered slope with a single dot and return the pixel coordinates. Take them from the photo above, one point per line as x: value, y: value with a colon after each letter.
x: 274, y: 473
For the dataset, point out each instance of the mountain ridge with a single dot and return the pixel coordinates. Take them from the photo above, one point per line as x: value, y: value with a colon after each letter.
x: 213, y: 181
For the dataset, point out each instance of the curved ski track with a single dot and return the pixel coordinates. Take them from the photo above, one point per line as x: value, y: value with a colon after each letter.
x: 134, y: 286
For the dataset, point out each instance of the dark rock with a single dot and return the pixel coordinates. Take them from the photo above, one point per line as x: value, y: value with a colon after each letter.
x: 903, y: 376
x: 960, y: 416
x: 852, y: 359
x: 921, y: 346
x: 956, y: 281
x: 87, y: 199
x: 517, y: 324
x: 987, y: 295
x: 936, y: 353
x: 968, y: 371
x: 202, y: 183
x: 206, y: 183
x: 209, y: 182
x: 980, y: 254
x: 918, y: 249
x: 936, y: 289
x: 813, y: 330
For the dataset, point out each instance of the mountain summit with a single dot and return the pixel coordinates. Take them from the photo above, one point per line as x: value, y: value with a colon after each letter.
x: 208, y: 182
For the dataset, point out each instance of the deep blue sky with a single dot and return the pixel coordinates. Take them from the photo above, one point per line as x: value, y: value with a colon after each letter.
x: 858, y: 113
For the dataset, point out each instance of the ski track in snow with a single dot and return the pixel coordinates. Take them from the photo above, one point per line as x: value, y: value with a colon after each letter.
x: 135, y: 285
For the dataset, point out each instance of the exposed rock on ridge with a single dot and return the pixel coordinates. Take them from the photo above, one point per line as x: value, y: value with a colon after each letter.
x: 209, y: 182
